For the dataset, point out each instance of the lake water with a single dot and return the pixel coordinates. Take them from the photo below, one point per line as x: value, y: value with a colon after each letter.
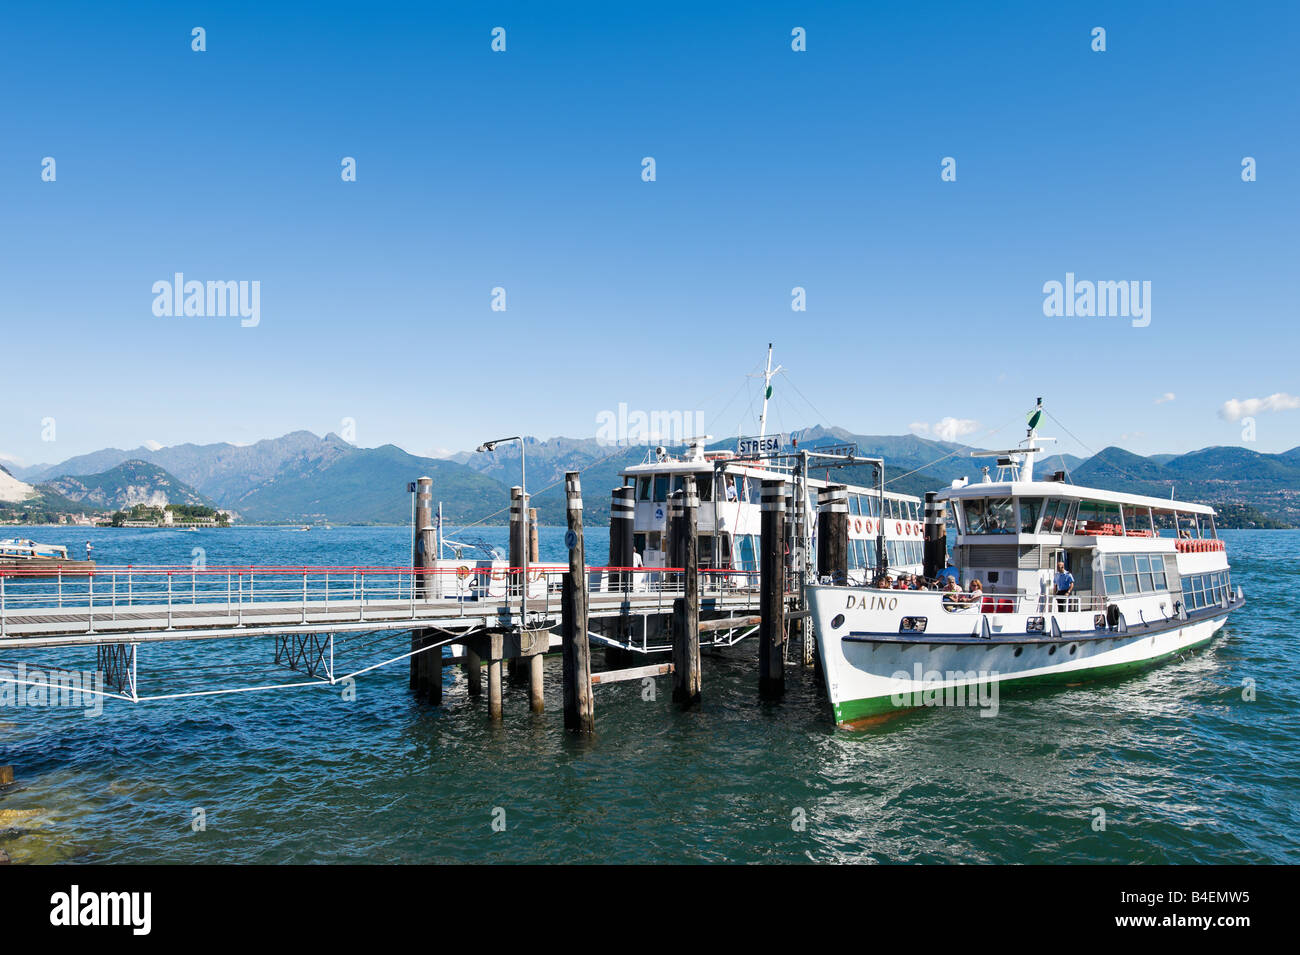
x: 1184, y: 766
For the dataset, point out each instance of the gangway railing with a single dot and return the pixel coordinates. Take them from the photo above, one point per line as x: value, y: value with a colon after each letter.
x: 155, y: 596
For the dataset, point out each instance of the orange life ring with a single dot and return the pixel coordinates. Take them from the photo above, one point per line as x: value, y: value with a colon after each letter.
x: 462, y: 572
x: 868, y: 527
x: 898, y: 529
x: 857, y: 525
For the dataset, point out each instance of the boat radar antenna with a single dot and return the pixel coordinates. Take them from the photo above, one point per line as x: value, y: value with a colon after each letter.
x: 1017, y: 464
x: 767, y: 390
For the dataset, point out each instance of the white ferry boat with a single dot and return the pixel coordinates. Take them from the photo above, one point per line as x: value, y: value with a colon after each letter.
x: 1150, y: 580
x: 881, y: 524
x: 728, y: 519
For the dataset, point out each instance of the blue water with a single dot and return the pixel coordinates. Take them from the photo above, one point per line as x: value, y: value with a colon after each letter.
x: 1185, y: 769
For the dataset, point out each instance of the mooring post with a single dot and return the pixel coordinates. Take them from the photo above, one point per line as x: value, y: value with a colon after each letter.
x: 622, y: 511
x: 833, y: 534
x: 536, y: 663
x: 430, y: 681
x: 686, y: 609
x: 771, y: 632
x: 423, y: 518
x: 516, y: 672
x: 936, y: 536
x: 579, y: 703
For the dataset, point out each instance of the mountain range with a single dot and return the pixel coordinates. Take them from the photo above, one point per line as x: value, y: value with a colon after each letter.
x: 303, y: 478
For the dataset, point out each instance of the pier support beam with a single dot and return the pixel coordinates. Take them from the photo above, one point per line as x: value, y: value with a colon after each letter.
x: 686, y: 609
x: 833, y: 534
x: 496, y: 643
x: 579, y: 702
x: 771, y: 632
x: 473, y: 672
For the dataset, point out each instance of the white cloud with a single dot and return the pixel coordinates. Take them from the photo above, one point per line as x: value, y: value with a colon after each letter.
x: 946, y: 429
x: 950, y: 429
x: 1167, y: 396
x: 1234, y: 409
x: 153, y: 445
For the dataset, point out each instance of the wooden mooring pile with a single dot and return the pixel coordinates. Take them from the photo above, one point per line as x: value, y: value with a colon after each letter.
x: 515, y: 650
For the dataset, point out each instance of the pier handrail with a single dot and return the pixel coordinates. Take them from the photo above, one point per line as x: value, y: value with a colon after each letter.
x: 157, y: 595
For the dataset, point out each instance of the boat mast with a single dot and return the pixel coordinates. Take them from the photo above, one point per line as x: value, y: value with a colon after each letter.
x: 767, y: 391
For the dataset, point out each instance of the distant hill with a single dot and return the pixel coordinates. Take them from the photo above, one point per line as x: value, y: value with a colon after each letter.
x: 224, y: 472
x: 302, y: 478
x: 368, y: 485
x: 123, y: 486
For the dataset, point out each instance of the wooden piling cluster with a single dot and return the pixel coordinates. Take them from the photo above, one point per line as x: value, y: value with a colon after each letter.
x: 781, y: 522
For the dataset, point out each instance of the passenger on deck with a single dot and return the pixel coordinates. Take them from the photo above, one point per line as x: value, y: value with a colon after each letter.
x: 976, y: 589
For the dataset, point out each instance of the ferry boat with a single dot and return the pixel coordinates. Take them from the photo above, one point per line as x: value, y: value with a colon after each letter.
x: 728, y: 520
x: 1151, y: 580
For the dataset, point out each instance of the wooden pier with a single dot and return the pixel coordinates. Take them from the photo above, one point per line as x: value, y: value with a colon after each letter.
x: 503, y: 618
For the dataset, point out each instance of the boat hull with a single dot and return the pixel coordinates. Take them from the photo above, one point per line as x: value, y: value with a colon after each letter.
x: 871, y: 669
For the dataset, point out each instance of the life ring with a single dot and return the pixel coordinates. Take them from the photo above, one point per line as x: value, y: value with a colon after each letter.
x: 857, y: 525
x: 909, y: 530
x: 898, y: 529
x: 868, y: 527
x: 462, y: 572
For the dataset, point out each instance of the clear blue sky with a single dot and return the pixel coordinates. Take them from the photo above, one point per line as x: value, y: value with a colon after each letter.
x: 523, y: 170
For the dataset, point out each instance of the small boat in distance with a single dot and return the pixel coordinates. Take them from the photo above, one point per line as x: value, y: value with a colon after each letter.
x: 27, y: 556
x: 1062, y: 583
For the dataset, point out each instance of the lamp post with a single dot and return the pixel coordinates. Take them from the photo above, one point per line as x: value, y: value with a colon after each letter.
x: 523, y: 487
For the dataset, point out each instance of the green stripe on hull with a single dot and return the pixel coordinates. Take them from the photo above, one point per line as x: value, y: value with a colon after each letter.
x: 851, y: 711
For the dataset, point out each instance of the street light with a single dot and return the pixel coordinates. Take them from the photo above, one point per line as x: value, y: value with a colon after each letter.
x: 523, y: 487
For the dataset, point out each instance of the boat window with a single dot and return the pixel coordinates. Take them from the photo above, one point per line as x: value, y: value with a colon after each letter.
x: 674, y: 485
x: 989, y: 516
x: 1128, y: 565
x: 1145, y: 577
x: 872, y: 508
x: 855, y: 504
x: 704, y: 486
x: 1110, y: 573
x: 724, y: 551
x: 1030, y: 508
x: 661, y: 487
x: 643, y: 489
x: 755, y: 487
